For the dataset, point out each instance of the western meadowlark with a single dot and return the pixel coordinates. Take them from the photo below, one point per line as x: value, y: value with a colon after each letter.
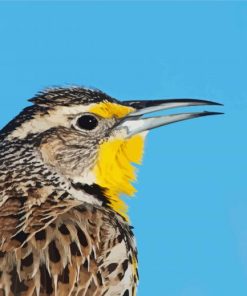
x: 64, y: 163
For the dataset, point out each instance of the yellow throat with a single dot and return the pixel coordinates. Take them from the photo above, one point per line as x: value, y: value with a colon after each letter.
x: 114, y: 169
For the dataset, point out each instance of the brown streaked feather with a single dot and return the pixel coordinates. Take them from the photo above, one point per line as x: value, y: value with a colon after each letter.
x: 69, y: 256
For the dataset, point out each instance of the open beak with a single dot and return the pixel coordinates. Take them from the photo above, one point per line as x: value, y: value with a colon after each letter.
x: 134, y: 123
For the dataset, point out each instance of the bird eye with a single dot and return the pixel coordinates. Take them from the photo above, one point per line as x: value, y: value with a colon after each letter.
x: 87, y: 122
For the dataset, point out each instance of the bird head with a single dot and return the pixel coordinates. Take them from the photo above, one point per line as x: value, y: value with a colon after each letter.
x: 92, y: 140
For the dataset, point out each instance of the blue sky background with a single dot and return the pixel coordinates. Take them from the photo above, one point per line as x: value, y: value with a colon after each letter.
x: 190, y: 214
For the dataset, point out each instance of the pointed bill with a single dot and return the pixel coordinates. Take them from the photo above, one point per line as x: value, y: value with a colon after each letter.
x: 134, y: 124
x: 144, y: 107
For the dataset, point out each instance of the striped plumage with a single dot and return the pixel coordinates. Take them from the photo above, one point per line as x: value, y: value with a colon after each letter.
x: 64, y: 229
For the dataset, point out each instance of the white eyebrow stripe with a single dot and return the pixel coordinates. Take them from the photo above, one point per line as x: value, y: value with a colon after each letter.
x: 55, y: 117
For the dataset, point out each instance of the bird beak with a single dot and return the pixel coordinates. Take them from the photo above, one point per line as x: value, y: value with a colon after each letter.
x: 134, y: 123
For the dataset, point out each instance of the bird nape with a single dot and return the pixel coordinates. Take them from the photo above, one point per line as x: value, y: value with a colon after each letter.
x: 65, y: 161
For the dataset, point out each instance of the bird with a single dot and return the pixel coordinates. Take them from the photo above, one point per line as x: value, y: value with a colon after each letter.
x: 65, y: 162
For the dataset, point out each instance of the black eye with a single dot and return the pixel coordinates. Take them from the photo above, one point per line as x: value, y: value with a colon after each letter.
x: 87, y: 122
